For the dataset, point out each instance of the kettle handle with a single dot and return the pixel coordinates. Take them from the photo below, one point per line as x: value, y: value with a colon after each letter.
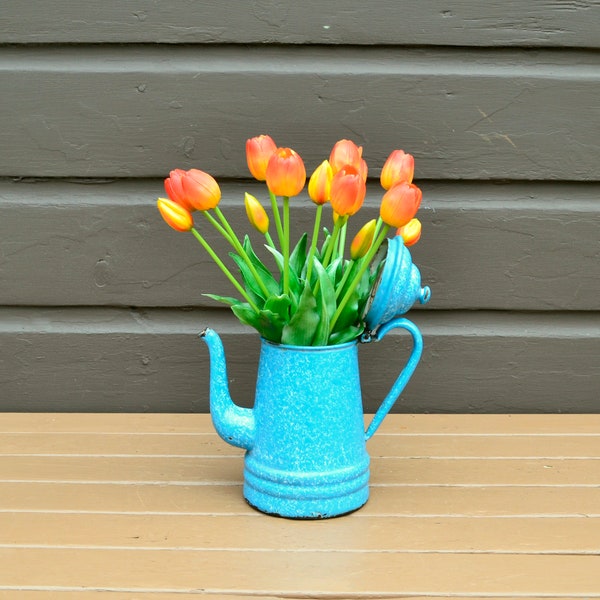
x: 406, y: 373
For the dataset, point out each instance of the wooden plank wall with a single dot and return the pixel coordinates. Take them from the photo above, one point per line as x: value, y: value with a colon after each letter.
x: 100, y: 302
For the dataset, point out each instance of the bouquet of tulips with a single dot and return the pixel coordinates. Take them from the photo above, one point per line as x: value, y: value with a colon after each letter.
x: 319, y: 295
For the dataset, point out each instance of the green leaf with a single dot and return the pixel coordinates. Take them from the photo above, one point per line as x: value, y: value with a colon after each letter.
x: 270, y: 325
x: 223, y: 299
x: 346, y: 335
x: 326, y: 241
x: 250, y: 285
x: 350, y: 314
x: 264, y: 273
x: 296, y: 287
x: 326, y: 304
x: 298, y: 256
x: 277, y: 256
x: 244, y: 312
x: 335, y: 270
x: 300, y: 331
x: 363, y: 292
x: 280, y: 306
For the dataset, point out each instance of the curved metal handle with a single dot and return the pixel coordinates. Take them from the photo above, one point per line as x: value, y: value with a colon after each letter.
x: 406, y: 373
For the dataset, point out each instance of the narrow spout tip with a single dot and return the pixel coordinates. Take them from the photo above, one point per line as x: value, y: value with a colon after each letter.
x: 203, y: 332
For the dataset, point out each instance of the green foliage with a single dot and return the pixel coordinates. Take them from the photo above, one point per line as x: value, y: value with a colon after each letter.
x: 303, y: 316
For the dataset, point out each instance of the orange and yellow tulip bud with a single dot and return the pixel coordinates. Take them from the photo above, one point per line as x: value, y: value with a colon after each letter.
x: 176, y: 216
x: 319, y: 184
x: 174, y: 188
x: 201, y: 190
x: 257, y: 215
x: 398, y: 167
x: 348, y: 191
x: 285, y: 174
x: 345, y: 152
x: 258, y: 152
x: 411, y: 232
x: 362, y: 240
x: 400, y: 204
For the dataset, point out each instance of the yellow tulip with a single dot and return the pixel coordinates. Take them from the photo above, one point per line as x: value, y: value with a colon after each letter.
x: 411, y: 232
x: 362, y: 240
x: 176, y: 216
x: 319, y: 184
x: 257, y: 215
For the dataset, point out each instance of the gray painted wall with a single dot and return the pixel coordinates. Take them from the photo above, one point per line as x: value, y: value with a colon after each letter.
x: 100, y: 302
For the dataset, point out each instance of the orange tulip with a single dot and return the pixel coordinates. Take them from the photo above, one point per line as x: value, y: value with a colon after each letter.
x: 178, y: 217
x: 285, y: 174
x: 257, y: 215
x: 345, y: 152
x: 362, y: 240
x: 398, y: 167
x: 363, y: 169
x: 174, y: 188
x: 258, y: 152
x: 411, y: 232
x: 319, y: 184
x: 400, y: 204
x: 348, y: 191
x: 200, y: 189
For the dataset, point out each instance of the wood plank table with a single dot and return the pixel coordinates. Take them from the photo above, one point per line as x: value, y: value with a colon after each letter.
x: 150, y: 507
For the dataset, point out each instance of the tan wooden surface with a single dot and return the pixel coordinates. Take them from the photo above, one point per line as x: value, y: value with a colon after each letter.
x: 150, y: 506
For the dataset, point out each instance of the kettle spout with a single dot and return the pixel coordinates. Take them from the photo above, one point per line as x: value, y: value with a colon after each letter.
x: 236, y: 425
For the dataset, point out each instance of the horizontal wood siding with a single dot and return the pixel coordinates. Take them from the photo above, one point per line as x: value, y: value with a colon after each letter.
x: 571, y: 23
x: 100, y: 302
x: 140, y: 111
x: 133, y: 359
x: 526, y: 246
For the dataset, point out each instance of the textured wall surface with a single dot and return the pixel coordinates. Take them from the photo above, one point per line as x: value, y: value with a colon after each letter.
x: 100, y: 302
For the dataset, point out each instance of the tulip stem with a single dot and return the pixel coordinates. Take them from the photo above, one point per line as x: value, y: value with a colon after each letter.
x: 367, y: 261
x: 218, y: 227
x: 313, y: 244
x: 342, y: 239
x: 286, y: 245
x: 333, y: 240
x: 233, y: 240
x: 277, y: 218
x: 378, y: 227
x: 342, y: 283
x: 269, y: 239
x: 225, y: 270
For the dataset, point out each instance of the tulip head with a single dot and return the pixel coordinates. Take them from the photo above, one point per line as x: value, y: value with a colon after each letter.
x: 411, y: 232
x: 257, y: 215
x: 285, y: 174
x: 348, y: 191
x: 362, y: 240
x: 176, y: 216
x: 174, y: 188
x: 398, y: 167
x: 400, y: 204
x: 200, y: 189
x: 363, y: 169
x: 345, y: 152
x: 319, y: 184
x: 258, y: 152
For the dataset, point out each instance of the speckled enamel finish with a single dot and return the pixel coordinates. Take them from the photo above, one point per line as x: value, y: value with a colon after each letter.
x: 398, y: 288
x: 309, y: 458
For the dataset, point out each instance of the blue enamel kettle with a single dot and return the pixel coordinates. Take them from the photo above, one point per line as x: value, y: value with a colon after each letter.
x: 304, y: 438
